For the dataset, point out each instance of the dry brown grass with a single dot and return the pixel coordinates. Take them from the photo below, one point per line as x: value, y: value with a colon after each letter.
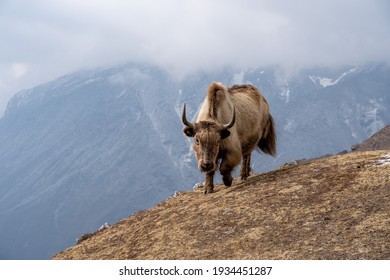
x: 332, y: 208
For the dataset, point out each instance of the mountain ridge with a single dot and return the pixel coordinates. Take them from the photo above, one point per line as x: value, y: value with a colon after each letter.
x: 379, y: 141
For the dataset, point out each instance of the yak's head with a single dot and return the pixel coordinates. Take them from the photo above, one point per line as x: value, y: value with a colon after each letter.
x: 207, y: 137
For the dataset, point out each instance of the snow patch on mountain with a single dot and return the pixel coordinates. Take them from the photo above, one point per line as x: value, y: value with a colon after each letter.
x: 285, y: 93
x: 371, y: 116
x: 290, y: 125
x: 384, y: 160
x: 238, y: 78
x: 326, y: 82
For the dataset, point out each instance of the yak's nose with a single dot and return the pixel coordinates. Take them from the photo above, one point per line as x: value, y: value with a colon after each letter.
x: 207, y: 166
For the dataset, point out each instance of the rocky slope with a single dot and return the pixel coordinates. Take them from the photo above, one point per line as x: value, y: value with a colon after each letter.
x: 378, y: 141
x: 336, y: 207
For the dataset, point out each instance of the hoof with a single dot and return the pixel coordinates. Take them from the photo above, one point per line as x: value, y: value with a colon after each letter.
x: 227, y: 181
x: 208, y: 190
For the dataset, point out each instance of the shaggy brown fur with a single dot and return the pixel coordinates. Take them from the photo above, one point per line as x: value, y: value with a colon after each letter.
x: 232, y: 122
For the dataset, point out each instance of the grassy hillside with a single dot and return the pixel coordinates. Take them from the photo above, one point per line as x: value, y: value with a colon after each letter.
x: 331, y: 208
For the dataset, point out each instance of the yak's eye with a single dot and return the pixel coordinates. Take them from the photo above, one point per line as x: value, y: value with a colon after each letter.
x: 197, y: 141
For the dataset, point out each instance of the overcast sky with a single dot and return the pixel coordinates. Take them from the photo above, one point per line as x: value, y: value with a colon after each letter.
x: 43, y: 39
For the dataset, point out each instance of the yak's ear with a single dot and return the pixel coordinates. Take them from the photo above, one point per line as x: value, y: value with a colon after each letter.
x: 189, y: 131
x: 225, y: 133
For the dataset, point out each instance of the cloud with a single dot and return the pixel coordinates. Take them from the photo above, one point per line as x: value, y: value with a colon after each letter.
x: 18, y: 69
x: 56, y: 37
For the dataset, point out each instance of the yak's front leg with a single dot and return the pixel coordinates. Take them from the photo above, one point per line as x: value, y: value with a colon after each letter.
x: 209, y: 186
x: 245, y: 167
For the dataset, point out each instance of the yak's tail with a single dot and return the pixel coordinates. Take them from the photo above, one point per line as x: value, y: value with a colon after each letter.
x: 267, y: 142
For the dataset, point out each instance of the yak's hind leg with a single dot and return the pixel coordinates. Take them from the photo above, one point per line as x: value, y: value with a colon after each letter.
x: 226, y: 172
x: 245, y: 167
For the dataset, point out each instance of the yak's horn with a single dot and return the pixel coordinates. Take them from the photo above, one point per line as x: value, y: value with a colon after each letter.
x: 229, y: 125
x: 184, y: 117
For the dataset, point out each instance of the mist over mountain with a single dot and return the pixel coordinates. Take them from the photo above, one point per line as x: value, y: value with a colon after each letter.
x: 94, y: 146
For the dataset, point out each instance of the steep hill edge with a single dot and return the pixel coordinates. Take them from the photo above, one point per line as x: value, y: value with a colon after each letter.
x: 336, y: 207
x: 379, y: 141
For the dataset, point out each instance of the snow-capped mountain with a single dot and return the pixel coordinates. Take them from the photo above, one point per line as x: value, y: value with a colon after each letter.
x: 95, y: 146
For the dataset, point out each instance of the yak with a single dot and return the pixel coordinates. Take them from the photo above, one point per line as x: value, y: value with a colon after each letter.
x: 231, y: 123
